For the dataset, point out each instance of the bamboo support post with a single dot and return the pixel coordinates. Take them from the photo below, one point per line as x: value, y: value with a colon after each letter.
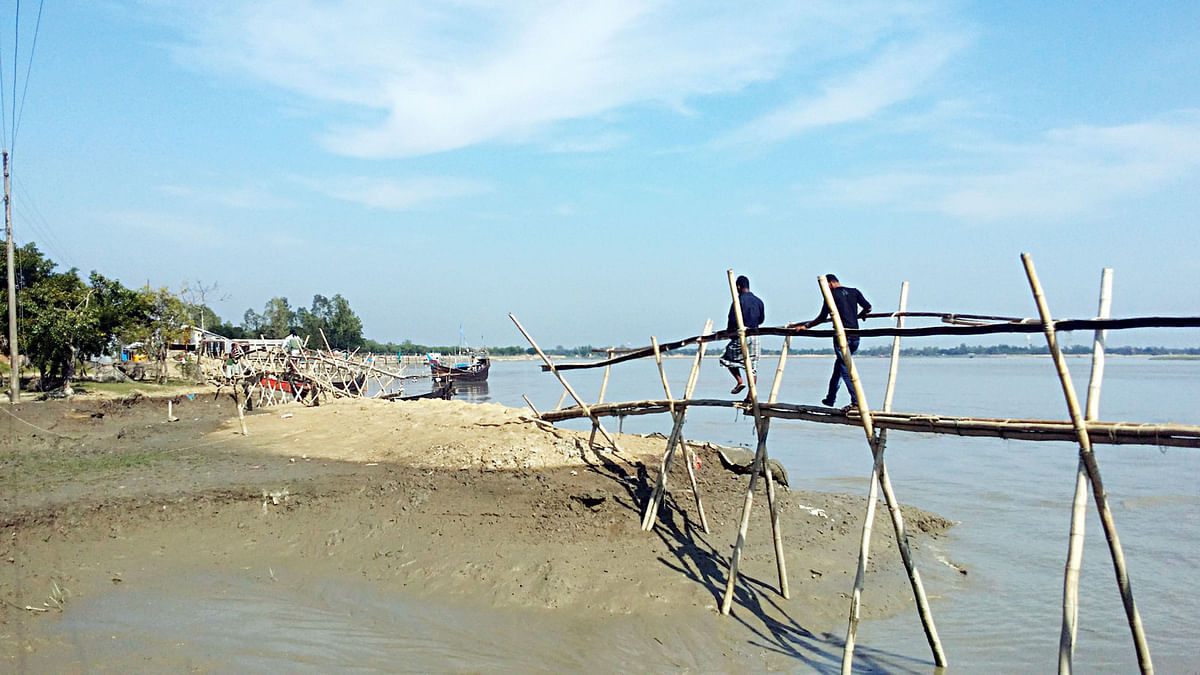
x: 1093, y: 470
x: 238, y: 402
x: 595, y: 420
x: 760, y: 465
x: 772, y: 501
x: 877, y: 454
x: 885, y: 482
x: 1070, y: 620
x: 675, y: 440
x: 530, y: 404
x: 600, y: 398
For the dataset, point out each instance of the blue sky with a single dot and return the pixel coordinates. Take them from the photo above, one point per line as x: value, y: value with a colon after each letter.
x: 595, y: 167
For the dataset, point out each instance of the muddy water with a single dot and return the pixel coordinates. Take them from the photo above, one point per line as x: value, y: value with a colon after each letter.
x: 1011, y: 501
x: 289, y: 624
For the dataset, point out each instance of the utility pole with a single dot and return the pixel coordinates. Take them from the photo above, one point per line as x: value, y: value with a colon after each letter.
x: 14, y: 361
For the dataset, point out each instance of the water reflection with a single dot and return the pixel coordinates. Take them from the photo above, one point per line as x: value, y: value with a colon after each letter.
x: 471, y: 392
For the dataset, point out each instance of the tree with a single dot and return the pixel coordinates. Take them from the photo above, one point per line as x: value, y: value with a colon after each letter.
x: 312, y: 323
x: 166, y: 320
x: 31, y: 268
x: 253, y: 323
x: 63, y: 320
x: 56, y: 312
x: 277, y: 318
x: 345, y: 328
x: 195, y: 296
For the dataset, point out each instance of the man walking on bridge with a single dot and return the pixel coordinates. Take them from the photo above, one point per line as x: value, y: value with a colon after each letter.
x: 848, y: 301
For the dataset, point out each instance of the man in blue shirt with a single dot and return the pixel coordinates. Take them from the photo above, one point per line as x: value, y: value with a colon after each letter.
x: 753, y: 314
x: 848, y: 301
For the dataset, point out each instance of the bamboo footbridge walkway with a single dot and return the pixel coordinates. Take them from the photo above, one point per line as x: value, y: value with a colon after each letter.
x: 1083, y: 428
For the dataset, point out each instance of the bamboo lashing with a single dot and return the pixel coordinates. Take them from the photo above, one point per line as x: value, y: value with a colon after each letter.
x: 1070, y: 620
x: 1088, y: 457
x: 760, y: 465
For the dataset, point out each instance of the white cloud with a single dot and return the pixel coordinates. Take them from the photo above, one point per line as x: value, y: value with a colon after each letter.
x: 1066, y: 172
x: 397, y: 195
x: 893, y: 76
x: 412, y: 79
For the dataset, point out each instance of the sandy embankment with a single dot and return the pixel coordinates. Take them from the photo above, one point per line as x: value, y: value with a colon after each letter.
x: 442, y: 499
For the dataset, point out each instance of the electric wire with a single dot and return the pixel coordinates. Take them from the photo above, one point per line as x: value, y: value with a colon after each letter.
x: 18, y: 111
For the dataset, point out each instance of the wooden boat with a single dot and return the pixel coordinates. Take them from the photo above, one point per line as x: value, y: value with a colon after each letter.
x: 467, y: 366
x: 443, y: 388
x: 353, y: 385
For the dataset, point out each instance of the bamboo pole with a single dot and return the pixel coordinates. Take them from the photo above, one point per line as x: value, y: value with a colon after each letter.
x: 675, y: 440
x: 599, y: 399
x: 885, y: 482
x: 1110, y: 433
x: 595, y: 420
x: 1070, y: 622
x: 530, y: 404
x: 604, y: 382
x: 760, y: 465
x: 1089, y: 459
x: 864, y: 411
x: 772, y: 501
x: 689, y: 453
x: 238, y: 403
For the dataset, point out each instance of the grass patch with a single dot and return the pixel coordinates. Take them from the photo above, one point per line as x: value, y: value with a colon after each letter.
x: 49, y: 466
x: 125, y: 388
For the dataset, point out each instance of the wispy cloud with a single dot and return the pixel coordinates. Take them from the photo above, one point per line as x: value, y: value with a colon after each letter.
x: 1063, y: 173
x: 163, y: 226
x: 412, y: 79
x: 251, y: 198
x: 894, y: 75
x: 398, y: 195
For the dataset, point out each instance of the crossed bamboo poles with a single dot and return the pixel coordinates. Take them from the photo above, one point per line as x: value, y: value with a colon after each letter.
x: 1083, y: 429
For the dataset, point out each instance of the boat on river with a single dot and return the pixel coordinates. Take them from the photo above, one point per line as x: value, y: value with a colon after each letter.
x: 469, y: 365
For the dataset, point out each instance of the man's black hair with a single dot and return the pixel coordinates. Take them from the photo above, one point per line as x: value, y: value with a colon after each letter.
x: 831, y: 278
x: 743, y: 282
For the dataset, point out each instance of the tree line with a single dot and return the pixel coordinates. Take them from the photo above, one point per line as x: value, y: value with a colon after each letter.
x: 64, y: 320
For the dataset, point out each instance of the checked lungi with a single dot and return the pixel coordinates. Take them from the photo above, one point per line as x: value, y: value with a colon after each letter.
x: 732, y: 358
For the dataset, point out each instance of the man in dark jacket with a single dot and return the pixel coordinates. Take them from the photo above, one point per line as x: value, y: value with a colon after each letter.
x: 753, y: 314
x: 848, y: 301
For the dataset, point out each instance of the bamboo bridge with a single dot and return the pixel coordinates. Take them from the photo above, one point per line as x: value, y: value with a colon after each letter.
x: 1082, y: 428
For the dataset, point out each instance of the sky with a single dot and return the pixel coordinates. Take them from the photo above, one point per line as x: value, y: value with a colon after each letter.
x: 595, y: 168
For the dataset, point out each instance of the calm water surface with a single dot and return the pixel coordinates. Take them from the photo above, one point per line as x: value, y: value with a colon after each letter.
x: 1010, y: 499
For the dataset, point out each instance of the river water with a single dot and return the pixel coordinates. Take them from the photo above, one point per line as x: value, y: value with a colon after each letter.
x: 1011, y: 501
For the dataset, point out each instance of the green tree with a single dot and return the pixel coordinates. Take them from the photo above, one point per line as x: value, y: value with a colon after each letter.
x: 253, y: 323
x: 165, y: 322
x: 345, y: 328
x: 312, y: 323
x: 278, y: 318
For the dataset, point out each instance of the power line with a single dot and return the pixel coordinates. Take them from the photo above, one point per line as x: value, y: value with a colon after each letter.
x: 16, y: 44
x: 19, y: 110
